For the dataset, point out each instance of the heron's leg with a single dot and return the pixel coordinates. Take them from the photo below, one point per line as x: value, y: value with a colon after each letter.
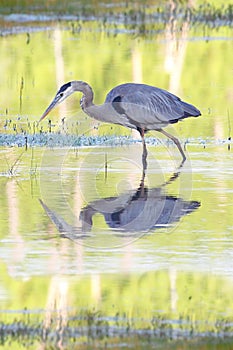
x: 144, y: 153
x: 175, y: 140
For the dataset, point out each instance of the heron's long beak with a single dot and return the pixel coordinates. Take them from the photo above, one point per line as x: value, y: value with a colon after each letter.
x: 50, y: 107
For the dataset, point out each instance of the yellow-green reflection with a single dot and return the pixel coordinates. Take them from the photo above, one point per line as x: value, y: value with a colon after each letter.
x: 166, y: 299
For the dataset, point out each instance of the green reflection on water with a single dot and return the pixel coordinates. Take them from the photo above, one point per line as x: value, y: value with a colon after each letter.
x: 162, y: 303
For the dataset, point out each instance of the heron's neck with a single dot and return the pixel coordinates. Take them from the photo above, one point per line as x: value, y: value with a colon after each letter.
x: 88, y: 95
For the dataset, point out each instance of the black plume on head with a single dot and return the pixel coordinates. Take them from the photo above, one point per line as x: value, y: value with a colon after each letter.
x: 64, y: 87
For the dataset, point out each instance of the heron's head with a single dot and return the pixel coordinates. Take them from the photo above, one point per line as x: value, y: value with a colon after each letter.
x: 64, y: 91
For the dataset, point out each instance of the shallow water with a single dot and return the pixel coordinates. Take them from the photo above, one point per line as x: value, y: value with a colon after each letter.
x: 181, y: 269
x: 93, y: 251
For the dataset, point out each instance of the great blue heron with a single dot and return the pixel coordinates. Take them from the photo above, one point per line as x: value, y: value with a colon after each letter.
x: 136, y: 106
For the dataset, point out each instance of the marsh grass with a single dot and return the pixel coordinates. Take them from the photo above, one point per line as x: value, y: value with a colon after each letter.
x: 139, y: 17
x: 90, y: 326
x: 12, y: 167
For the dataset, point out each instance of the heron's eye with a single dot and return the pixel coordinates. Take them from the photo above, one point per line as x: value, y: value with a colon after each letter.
x: 61, y: 94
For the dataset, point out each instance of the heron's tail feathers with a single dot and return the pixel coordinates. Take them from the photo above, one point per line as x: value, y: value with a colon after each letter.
x: 190, y: 110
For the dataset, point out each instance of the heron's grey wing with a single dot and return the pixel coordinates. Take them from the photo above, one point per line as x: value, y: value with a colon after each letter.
x: 156, y: 109
x: 149, y: 107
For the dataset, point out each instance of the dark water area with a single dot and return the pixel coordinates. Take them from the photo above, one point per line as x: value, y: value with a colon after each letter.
x: 95, y: 250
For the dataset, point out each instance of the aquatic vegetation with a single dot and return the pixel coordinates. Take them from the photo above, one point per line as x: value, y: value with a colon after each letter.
x: 139, y: 17
x: 91, y: 327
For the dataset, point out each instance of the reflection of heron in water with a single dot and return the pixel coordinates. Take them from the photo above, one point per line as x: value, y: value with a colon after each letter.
x: 136, y: 106
x: 139, y: 210
x: 134, y: 211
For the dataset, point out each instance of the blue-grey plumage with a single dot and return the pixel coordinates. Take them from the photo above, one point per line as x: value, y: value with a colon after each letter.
x: 158, y: 107
x: 136, y: 106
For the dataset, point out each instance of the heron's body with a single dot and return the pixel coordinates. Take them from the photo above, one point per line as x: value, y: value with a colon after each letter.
x: 148, y: 107
x: 136, y: 106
